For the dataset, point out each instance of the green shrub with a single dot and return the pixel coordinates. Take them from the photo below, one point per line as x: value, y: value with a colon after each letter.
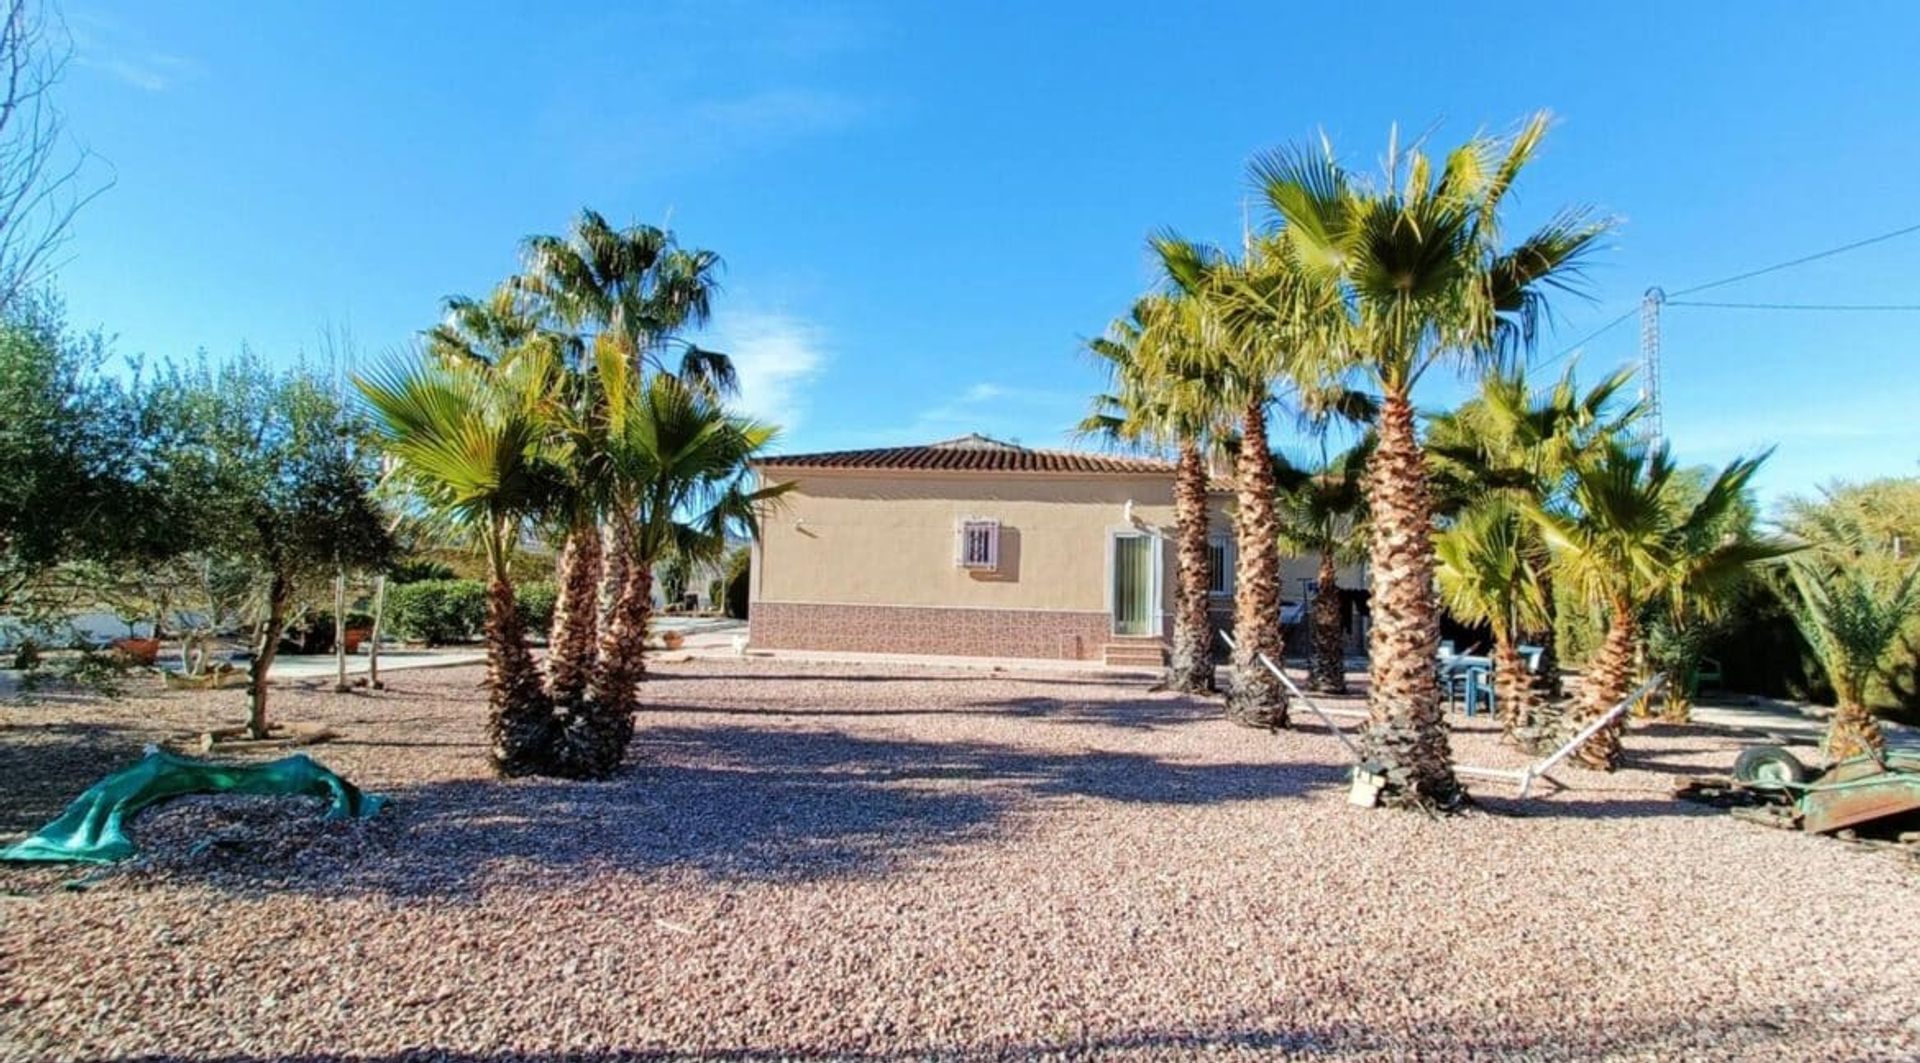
x: 739, y: 568
x: 535, y: 602
x: 419, y: 571
x: 438, y: 611
x: 441, y: 611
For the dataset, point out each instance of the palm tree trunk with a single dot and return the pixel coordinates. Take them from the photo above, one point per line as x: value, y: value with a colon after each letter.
x: 1329, y: 672
x: 1257, y: 698
x: 576, y: 616
x: 1513, y: 686
x: 519, y: 718
x: 594, y: 741
x: 1547, y: 680
x: 1405, y: 729
x: 613, y: 566
x: 1853, y: 731
x: 1608, y: 678
x: 1191, y: 671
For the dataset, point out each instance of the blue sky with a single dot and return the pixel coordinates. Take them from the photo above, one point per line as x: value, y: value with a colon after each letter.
x: 925, y: 208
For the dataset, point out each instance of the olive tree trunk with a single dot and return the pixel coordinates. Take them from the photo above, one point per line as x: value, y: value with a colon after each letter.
x: 373, y: 636
x: 266, y: 647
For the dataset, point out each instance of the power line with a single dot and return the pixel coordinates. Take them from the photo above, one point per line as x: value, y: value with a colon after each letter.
x: 1799, y: 261
x: 1589, y: 338
x: 1749, y: 274
x: 1799, y: 306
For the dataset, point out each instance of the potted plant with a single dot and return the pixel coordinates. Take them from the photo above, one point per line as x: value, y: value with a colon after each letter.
x: 359, y: 628
x: 136, y: 650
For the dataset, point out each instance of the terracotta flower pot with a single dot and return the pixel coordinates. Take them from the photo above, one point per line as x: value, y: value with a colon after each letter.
x: 672, y: 639
x: 137, y: 650
x: 355, y: 636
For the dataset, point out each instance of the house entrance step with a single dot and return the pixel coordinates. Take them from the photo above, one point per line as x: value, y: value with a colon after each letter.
x: 1142, y: 653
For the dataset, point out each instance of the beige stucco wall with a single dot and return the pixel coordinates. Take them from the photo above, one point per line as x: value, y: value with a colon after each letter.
x: 875, y: 538
x: 888, y: 539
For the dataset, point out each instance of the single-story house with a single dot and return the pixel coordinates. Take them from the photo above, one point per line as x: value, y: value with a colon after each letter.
x: 975, y: 547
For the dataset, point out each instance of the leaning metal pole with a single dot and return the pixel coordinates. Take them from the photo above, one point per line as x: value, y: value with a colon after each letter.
x: 1525, y: 777
x: 1326, y: 716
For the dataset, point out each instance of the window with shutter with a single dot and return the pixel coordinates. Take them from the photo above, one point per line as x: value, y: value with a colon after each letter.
x: 979, y: 545
x: 1219, y: 568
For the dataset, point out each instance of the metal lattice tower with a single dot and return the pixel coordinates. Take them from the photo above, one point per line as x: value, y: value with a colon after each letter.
x: 1650, y: 360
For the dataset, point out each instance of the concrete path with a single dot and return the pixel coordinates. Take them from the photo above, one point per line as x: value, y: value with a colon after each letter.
x: 295, y: 666
x: 1786, y: 722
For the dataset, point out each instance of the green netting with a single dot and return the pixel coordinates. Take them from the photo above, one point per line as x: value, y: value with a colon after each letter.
x: 91, y: 830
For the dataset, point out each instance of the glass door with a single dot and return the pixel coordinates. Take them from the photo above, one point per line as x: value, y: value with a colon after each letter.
x: 1132, y: 584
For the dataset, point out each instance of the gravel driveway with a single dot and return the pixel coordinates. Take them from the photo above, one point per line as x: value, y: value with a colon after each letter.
x: 830, y: 862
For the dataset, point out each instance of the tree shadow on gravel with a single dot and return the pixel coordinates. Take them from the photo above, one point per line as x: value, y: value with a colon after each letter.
x: 43, y: 766
x: 1102, y: 680
x: 1134, y: 714
x: 740, y: 803
x: 1658, y: 1032
x: 1143, y: 713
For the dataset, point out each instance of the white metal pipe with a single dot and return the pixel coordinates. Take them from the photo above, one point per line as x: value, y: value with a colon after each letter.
x: 1646, y: 690
x: 1301, y: 696
x: 1526, y: 776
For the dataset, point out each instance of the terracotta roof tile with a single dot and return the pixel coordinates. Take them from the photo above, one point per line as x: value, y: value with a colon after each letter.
x: 973, y: 453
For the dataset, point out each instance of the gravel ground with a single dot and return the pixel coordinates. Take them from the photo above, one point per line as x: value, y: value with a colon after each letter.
x: 819, y: 861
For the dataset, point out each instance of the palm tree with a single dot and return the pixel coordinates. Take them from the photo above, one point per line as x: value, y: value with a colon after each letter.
x: 1425, y: 281
x: 1627, y: 540
x: 637, y: 287
x: 1521, y: 444
x: 1160, y: 398
x: 629, y: 292
x: 491, y: 332
x: 468, y: 438
x: 1322, y: 514
x: 1255, y: 318
x: 1674, y: 633
x: 1488, y: 575
x: 679, y: 467
x: 1851, y: 617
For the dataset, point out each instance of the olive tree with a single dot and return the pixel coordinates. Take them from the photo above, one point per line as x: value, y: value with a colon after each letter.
x: 67, y: 493
x: 268, y: 470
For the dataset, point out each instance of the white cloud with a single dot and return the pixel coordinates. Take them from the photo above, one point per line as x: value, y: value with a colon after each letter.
x: 123, y: 52
x: 777, y: 356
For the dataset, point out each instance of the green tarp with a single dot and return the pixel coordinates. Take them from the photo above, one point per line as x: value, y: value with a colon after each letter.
x: 91, y: 830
